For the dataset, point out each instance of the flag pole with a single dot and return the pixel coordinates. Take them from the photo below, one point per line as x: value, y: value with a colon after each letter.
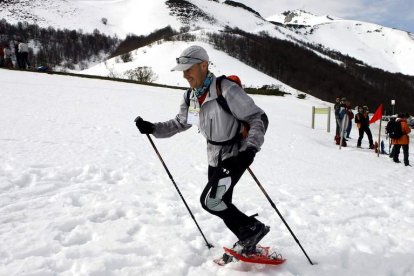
x: 379, y: 137
x: 378, y: 116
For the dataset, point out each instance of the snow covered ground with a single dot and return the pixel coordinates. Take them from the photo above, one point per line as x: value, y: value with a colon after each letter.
x: 83, y: 193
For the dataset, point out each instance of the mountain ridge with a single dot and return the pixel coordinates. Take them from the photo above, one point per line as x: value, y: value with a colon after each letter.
x: 334, y: 39
x: 127, y: 17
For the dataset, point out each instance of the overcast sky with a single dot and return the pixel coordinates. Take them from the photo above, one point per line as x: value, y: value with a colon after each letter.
x: 397, y: 14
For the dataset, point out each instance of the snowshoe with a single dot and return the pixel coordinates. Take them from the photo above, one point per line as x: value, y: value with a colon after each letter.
x: 260, y: 255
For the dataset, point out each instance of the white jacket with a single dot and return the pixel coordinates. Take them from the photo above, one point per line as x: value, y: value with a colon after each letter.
x: 216, y: 124
x: 23, y: 48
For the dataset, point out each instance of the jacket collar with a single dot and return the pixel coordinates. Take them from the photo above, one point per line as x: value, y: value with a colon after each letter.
x: 212, y: 92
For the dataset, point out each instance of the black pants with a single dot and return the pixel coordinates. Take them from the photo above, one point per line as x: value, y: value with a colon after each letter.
x: 24, y: 60
x: 361, y: 135
x: 396, y: 153
x: 19, y: 61
x: 216, y: 197
x: 337, y: 131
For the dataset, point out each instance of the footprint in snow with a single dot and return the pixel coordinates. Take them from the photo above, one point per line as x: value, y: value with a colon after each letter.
x: 78, y: 236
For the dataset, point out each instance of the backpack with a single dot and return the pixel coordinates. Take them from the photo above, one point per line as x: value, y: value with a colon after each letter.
x: 394, y: 129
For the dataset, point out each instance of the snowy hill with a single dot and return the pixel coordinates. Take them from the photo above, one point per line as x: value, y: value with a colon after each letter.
x: 161, y: 58
x: 124, y: 16
x: 83, y: 193
x: 377, y: 46
x: 300, y: 17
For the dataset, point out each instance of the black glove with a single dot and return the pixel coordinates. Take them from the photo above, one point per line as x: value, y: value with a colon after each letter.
x: 246, y: 157
x: 144, y: 126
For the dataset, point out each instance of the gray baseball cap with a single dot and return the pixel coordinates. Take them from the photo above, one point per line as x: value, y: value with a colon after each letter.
x: 190, y: 56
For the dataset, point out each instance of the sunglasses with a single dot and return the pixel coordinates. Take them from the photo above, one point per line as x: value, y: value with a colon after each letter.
x: 186, y: 60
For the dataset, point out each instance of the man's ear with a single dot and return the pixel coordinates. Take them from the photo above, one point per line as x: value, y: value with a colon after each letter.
x: 204, y: 65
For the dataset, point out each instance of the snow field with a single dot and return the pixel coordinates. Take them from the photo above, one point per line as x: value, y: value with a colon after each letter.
x: 83, y: 193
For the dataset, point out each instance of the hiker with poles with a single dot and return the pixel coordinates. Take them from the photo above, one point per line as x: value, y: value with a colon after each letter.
x: 229, y: 153
x: 234, y: 127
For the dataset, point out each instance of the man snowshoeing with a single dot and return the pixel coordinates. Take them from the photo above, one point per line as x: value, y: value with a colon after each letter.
x: 234, y: 136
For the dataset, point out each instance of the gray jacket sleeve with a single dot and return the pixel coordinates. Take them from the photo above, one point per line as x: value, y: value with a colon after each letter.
x: 173, y: 126
x: 243, y: 108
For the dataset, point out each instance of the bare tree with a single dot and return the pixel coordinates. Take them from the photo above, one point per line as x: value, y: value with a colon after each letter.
x: 141, y: 74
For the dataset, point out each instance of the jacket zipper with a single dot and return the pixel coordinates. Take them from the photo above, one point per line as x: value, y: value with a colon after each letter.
x: 211, y: 129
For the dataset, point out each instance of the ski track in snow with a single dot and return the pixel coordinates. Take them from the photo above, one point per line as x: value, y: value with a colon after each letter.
x: 83, y: 193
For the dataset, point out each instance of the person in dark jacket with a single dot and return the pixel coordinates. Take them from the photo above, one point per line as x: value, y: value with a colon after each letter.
x: 362, y: 122
x: 387, y: 130
x: 24, y: 55
x: 18, y: 55
x: 1, y: 55
x: 229, y: 153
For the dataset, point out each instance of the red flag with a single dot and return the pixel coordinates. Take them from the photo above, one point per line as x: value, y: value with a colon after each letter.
x: 377, y: 116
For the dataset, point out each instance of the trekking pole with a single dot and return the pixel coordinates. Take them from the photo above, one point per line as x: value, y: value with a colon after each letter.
x: 280, y: 215
x: 209, y: 245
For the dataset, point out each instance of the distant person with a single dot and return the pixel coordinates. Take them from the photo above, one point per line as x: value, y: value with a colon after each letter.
x: 336, y: 112
x: 402, y: 142
x: 24, y: 55
x: 362, y: 122
x: 410, y: 120
x: 388, y: 130
x: 8, y: 63
x: 350, y: 118
x: 17, y: 55
x: 342, y: 121
x: 1, y: 56
x: 233, y: 136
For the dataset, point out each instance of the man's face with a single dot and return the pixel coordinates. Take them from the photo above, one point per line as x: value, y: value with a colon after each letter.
x: 196, y: 74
